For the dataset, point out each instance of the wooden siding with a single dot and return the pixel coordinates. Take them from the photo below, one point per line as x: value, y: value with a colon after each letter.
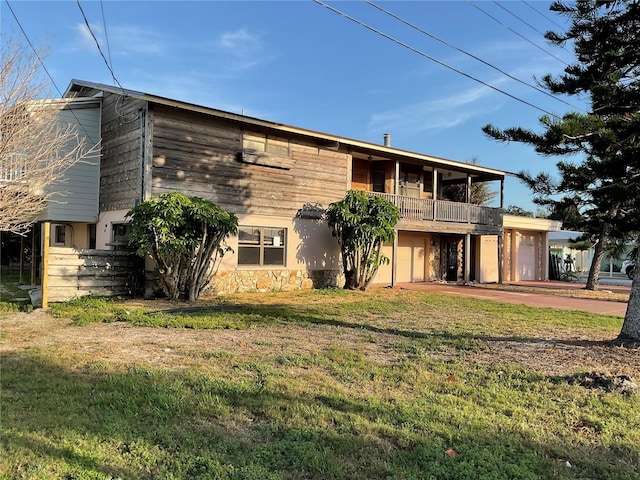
x: 199, y: 155
x: 122, y: 155
x: 78, y: 189
x: 79, y: 272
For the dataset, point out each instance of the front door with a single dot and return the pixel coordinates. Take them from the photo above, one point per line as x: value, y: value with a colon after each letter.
x: 452, y: 261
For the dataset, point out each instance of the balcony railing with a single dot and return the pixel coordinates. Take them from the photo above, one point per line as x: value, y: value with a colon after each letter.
x: 443, y: 210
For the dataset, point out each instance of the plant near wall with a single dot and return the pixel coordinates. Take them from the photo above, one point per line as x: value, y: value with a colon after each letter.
x: 362, y: 223
x: 185, y: 236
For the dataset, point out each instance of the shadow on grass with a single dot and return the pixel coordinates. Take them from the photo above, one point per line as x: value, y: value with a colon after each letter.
x: 142, y: 423
x: 282, y: 313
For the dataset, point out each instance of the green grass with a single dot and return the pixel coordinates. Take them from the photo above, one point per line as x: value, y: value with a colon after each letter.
x: 331, y: 412
x: 12, y: 298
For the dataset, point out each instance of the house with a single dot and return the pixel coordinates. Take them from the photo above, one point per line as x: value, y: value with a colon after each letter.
x: 278, y: 179
x: 566, y: 243
x: 563, y: 243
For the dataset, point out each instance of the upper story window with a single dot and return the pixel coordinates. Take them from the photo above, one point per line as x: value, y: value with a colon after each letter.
x: 262, y: 143
x: 13, y: 168
x: 378, y: 180
x: 261, y: 246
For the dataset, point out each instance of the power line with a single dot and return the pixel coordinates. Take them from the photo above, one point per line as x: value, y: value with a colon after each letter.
x: 106, y: 36
x: 542, y: 14
x: 515, y: 32
x: 107, y: 63
x: 516, y: 16
x: 406, y: 22
x: 41, y: 62
x: 113, y: 75
x: 526, y: 23
x: 429, y: 57
x: 32, y: 47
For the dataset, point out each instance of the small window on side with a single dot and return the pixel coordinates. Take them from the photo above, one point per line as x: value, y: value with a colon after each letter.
x: 261, y: 246
x: 60, y: 235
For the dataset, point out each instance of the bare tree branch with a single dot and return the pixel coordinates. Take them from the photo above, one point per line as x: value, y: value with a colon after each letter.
x: 36, y: 147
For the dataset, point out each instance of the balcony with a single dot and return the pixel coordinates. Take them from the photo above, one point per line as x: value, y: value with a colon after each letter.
x: 443, y: 210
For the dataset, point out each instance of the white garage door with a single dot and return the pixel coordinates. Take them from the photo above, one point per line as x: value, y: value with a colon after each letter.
x: 526, y: 257
x: 411, y: 253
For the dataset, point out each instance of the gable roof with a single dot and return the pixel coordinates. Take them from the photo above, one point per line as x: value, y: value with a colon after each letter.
x: 367, y: 148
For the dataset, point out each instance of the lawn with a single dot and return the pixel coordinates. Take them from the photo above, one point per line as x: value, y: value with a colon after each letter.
x: 12, y: 297
x: 385, y: 384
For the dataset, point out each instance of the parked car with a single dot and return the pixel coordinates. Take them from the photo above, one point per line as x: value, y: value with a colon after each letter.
x: 628, y: 267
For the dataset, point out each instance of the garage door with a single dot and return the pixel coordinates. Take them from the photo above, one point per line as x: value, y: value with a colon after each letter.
x: 526, y: 257
x: 411, y: 260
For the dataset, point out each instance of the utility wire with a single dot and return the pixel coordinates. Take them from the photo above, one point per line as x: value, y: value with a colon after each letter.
x: 106, y: 36
x: 113, y: 75
x: 516, y: 16
x: 526, y: 23
x: 406, y: 22
x: 32, y: 47
x: 429, y: 57
x: 41, y: 62
x: 540, y: 13
x: 517, y: 33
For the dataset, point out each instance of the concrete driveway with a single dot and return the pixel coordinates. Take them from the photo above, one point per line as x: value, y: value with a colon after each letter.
x: 550, y: 300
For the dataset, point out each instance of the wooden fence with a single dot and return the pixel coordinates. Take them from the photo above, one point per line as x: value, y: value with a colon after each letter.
x: 78, y: 272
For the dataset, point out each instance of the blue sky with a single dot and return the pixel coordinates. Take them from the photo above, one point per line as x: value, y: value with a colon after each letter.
x: 299, y: 63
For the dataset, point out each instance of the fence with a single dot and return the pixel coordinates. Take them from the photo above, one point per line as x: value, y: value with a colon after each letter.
x: 75, y: 273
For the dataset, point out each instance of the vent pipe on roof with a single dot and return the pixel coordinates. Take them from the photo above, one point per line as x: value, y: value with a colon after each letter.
x: 387, y: 139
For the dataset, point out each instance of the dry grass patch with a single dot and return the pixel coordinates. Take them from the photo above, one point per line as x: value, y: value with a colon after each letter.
x: 314, y: 385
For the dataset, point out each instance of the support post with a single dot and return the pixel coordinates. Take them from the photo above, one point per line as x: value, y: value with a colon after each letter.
x: 467, y: 257
x: 45, y: 264
x: 513, y: 258
x: 34, y: 256
x: 500, y: 258
x: 435, y: 194
x: 468, y: 196
x: 396, y: 176
x: 394, y: 259
x: 21, y: 258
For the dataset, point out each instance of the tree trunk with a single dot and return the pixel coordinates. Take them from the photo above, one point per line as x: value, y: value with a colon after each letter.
x: 630, y: 333
x: 598, y: 255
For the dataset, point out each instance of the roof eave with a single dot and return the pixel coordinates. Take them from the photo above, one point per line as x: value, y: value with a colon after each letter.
x: 350, y: 142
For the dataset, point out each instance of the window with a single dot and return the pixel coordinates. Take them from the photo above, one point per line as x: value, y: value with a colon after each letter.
x: 91, y: 235
x: 260, y: 143
x: 378, y: 181
x: 13, y: 168
x: 261, y: 246
x: 119, y: 238
x: 59, y: 235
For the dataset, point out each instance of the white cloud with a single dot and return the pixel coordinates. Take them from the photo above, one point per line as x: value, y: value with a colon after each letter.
x: 132, y: 39
x: 124, y: 40
x: 441, y: 113
x: 246, y: 50
x: 86, y: 40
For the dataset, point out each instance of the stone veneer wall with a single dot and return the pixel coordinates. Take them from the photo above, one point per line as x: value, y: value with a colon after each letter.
x: 434, y: 272
x: 273, y: 280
